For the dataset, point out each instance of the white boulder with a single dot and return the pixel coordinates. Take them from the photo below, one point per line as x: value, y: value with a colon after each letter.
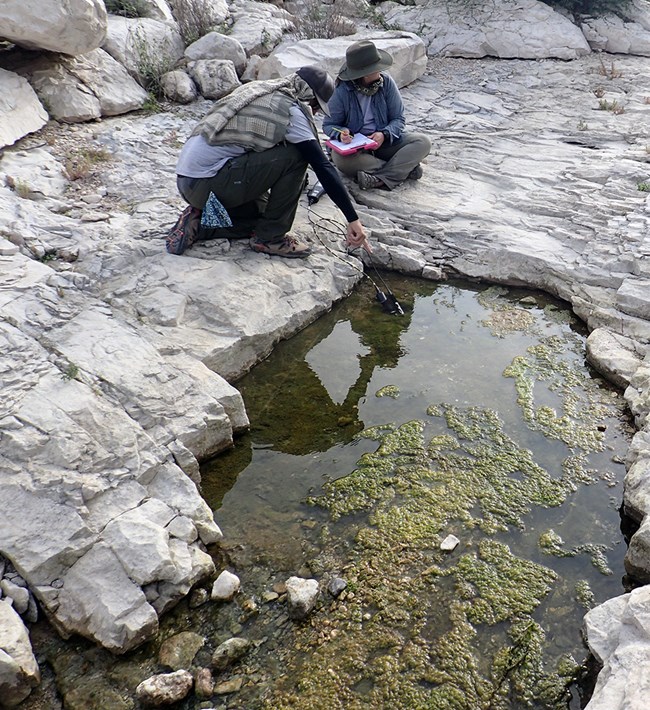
x: 178, y: 86
x: 407, y: 49
x: 146, y: 48
x: 214, y: 77
x: 218, y: 46
x: 86, y: 87
x: 195, y: 16
x: 225, y: 586
x: 155, y: 10
x: 617, y: 633
x: 71, y: 27
x: 164, y: 688
x: 302, y: 595
x: 258, y: 26
x: 19, y: 672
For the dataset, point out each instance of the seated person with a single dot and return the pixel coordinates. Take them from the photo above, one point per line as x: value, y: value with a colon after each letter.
x: 367, y: 100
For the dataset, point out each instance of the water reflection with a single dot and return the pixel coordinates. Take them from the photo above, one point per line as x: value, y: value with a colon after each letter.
x: 312, y: 403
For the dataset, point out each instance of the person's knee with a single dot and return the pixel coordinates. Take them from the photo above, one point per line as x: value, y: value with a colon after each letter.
x: 347, y: 167
x: 424, y: 142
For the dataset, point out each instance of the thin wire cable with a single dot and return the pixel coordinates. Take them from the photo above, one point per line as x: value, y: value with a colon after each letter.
x: 337, y: 232
x: 390, y: 303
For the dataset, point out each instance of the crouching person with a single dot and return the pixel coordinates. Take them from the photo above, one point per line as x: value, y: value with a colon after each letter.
x: 246, y: 161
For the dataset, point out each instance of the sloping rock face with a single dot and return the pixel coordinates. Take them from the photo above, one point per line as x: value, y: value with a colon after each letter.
x: 526, y: 29
x: 72, y: 27
x: 610, y: 33
x: 95, y: 509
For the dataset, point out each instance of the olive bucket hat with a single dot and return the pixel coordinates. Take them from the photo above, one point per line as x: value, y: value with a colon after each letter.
x: 363, y: 58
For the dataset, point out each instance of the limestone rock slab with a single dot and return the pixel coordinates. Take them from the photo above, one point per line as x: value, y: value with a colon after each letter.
x: 633, y: 297
x: 20, y: 110
x: 507, y: 29
x: 99, y: 600
x: 73, y: 27
x: 613, y: 34
x: 35, y: 171
x: 613, y: 355
x: 142, y: 547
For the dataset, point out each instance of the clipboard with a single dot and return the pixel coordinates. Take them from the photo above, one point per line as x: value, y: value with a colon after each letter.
x: 359, y: 142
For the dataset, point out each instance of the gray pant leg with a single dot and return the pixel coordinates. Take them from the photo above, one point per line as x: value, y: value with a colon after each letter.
x: 361, y: 160
x: 391, y: 163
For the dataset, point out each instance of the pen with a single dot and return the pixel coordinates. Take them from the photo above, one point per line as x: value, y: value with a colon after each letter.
x: 342, y: 130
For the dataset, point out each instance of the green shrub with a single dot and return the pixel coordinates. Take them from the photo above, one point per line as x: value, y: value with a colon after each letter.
x: 125, y: 8
x: 195, y: 19
x: 592, y: 7
x: 152, y: 64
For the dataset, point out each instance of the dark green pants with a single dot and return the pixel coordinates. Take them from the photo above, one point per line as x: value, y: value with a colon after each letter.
x: 277, y: 174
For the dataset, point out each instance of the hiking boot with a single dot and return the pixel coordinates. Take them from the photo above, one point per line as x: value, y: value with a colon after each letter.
x: 185, y: 232
x: 367, y: 181
x: 416, y: 173
x: 288, y: 247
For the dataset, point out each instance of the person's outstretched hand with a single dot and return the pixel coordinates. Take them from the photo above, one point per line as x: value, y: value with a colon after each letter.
x: 356, y: 236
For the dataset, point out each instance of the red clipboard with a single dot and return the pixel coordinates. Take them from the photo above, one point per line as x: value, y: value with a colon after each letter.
x: 359, y: 142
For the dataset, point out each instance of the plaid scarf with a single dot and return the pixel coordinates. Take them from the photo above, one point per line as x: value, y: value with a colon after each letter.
x: 256, y: 115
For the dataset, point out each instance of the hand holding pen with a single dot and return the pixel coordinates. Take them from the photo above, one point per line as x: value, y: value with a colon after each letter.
x: 344, y: 134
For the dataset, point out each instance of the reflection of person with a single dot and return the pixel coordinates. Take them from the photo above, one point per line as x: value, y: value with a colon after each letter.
x: 259, y: 139
x: 367, y: 100
x: 288, y: 405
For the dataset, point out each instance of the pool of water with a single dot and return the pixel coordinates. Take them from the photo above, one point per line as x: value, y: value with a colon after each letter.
x: 478, y: 401
x: 374, y: 437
